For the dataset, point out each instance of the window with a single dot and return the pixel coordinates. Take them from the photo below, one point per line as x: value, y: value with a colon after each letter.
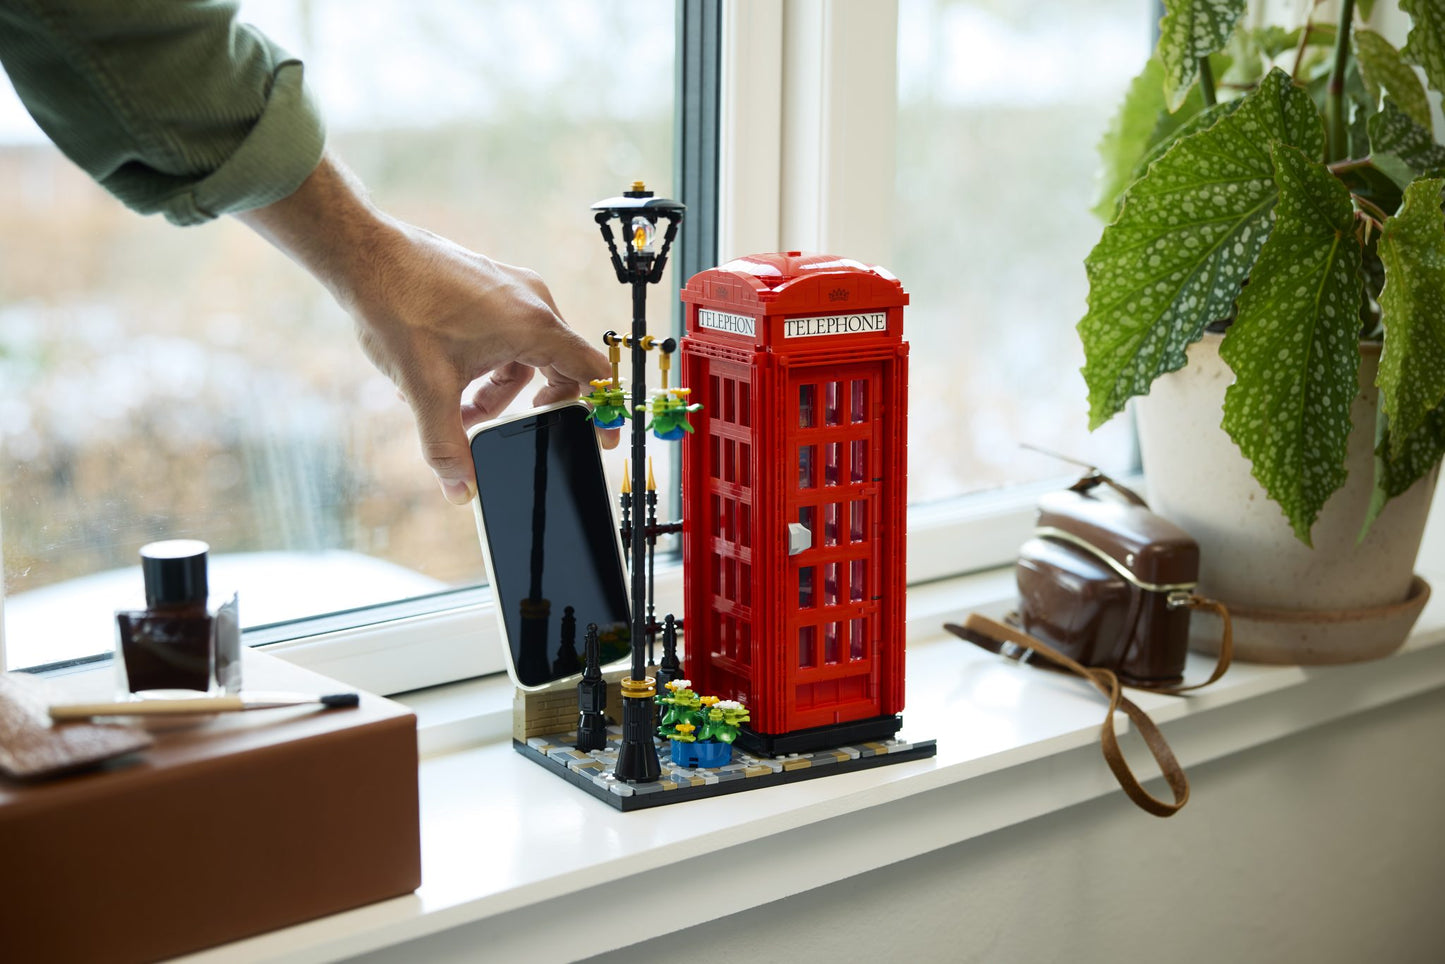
x: 953, y: 142
x: 163, y: 382
x: 1000, y: 106
x: 878, y: 130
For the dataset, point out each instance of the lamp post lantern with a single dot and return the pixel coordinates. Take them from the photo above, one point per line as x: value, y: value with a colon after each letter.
x: 639, y: 261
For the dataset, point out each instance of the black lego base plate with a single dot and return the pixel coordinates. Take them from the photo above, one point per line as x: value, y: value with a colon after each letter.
x: 592, y: 771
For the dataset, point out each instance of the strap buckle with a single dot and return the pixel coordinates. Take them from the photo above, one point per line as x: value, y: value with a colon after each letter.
x: 1015, y: 652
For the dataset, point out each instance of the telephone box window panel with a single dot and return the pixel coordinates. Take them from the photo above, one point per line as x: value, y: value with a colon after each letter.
x: 806, y: 371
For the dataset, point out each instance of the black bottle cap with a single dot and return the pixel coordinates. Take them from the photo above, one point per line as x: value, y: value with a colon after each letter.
x: 175, y: 572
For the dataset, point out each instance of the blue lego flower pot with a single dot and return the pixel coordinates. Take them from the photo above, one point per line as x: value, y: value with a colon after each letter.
x: 704, y: 754
x: 609, y: 423
x: 671, y: 435
x: 682, y: 753
x: 712, y: 754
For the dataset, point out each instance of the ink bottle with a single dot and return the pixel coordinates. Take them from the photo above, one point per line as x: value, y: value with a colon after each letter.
x: 183, y: 643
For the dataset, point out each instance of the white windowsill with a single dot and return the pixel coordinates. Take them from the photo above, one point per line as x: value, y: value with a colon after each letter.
x: 510, y: 852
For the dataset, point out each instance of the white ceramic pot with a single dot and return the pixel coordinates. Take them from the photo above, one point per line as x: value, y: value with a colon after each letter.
x: 1249, y: 556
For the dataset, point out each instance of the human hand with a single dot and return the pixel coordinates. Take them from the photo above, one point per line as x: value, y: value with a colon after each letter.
x: 435, y: 318
x: 461, y: 335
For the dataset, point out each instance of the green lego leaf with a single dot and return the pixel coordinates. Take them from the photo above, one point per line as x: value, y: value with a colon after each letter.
x: 1186, y: 238
x: 1189, y: 30
x: 1412, y: 365
x: 1365, y: 7
x: 1294, y: 346
x: 1393, y: 132
x: 1384, y: 72
x: 1426, y: 44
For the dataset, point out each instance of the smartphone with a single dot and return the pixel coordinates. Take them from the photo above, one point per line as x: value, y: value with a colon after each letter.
x: 552, y: 549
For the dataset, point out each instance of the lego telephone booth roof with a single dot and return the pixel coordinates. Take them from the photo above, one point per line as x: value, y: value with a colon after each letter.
x: 789, y: 281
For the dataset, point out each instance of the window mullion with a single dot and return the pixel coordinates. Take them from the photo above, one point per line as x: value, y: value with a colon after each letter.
x: 839, y: 118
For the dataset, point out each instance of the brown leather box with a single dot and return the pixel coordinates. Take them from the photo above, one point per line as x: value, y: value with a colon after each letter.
x: 230, y: 825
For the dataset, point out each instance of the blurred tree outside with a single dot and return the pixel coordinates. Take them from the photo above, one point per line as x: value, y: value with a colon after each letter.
x: 158, y: 382
x: 1000, y: 107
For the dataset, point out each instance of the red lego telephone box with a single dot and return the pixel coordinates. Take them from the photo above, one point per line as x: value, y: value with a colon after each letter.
x: 795, y: 495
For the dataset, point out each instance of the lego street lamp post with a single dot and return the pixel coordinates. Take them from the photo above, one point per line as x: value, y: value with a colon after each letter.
x: 639, y: 263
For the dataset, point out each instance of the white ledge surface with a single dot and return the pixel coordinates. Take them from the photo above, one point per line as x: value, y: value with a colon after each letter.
x: 511, y: 852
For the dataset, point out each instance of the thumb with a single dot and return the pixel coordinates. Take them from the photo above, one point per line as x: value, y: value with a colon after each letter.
x: 436, y: 406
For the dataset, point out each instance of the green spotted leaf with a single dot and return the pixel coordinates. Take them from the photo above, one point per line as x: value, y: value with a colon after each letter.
x: 1412, y: 305
x: 1401, y: 461
x: 1185, y: 239
x: 1128, y: 136
x: 1384, y: 71
x: 1393, y: 132
x: 1171, y: 130
x: 1142, y: 130
x: 1189, y: 30
x: 1273, y: 40
x: 1426, y: 44
x: 1294, y: 346
x: 1392, y: 167
x: 1253, y: 50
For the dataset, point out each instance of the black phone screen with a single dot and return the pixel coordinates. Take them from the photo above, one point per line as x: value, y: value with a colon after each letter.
x: 555, y: 561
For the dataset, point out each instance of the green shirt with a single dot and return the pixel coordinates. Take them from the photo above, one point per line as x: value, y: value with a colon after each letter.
x: 170, y: 105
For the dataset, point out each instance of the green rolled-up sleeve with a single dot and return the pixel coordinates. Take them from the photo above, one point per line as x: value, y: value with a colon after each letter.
x: 171, y: 105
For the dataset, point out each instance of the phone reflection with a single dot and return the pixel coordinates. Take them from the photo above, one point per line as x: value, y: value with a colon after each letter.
x: 552, y: 543
x: 536, y: 611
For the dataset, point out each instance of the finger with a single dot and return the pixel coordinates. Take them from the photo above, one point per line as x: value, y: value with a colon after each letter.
x: 496, y: 392
x: 557, y: 389
x: 436, y: 406
x: 566, y: 356
x: 609, y: 437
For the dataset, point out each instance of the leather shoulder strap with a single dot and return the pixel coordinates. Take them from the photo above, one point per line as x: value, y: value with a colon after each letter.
x: 1226, y: 646
x: 995, y: 636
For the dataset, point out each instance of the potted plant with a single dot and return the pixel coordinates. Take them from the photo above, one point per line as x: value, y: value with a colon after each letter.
x: 701, y: 728
x: 1273, y: 200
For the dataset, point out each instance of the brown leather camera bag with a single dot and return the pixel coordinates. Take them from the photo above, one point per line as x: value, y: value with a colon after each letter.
x: 1110, y: 584
x: 1105, y: 591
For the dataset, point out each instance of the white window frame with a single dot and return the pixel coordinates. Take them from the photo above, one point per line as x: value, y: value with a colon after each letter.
x: 808, y: 115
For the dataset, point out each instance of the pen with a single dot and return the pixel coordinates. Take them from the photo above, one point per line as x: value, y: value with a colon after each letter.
x: 200, y: 704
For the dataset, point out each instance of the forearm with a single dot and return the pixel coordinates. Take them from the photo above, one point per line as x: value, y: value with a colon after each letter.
x: 172, y: 107
x: 330, y: 227
x: 431, y: 315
